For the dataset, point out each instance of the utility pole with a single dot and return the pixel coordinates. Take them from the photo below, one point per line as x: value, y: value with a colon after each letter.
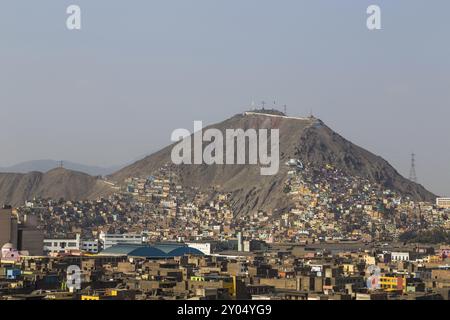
x: 412, y: 171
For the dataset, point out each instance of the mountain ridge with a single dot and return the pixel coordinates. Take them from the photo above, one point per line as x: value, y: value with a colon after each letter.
x: 307, y: 139
x: 45, y: 165
x: 16, y: 188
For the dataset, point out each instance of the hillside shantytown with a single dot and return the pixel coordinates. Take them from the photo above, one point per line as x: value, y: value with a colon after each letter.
x: 346, y: 238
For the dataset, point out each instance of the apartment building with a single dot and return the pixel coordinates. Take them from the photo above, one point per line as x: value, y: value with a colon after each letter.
x: 108, y: 240
x: 61, y: 245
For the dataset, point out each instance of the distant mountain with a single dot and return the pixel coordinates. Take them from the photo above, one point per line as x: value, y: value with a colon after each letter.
x: 308, y: 139
x: 47, y: 165
x: 16, y: 188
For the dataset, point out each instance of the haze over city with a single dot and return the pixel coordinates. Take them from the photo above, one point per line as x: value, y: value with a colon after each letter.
x: 224, y: 158
x: 116, y: 89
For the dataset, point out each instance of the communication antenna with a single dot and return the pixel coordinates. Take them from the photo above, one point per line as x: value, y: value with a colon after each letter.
x: 412, y: 171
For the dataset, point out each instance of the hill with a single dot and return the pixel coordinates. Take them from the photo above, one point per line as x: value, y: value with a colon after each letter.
x: 16, y: 188
x: 308, y: 139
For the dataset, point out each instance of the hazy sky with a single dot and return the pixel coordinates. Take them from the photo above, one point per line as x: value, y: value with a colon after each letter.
x: 140, y: 69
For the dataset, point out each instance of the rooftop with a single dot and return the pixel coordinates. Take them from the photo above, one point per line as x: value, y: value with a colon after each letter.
x: 160, y: 250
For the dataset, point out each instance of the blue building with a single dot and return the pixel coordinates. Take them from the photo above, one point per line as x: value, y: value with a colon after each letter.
x: 12, y: 273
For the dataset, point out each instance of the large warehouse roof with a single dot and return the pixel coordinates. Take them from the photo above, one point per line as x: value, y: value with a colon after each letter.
x: 160, y: 250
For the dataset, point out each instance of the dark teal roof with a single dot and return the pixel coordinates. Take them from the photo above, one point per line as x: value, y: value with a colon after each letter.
x: 178, y: 252
x: 120, y: 249
x: 150, y: 252
x: 161, y: 250
x: 168, y: 247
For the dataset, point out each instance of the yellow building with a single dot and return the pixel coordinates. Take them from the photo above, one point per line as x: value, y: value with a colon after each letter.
x: 433, y: 259
x: 90, y: 298
x: 392, y: 283
x: 349, y: 268
x: 369, y: 260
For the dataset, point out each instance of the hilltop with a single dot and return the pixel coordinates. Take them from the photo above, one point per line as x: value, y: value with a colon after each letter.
x: 47, y: 165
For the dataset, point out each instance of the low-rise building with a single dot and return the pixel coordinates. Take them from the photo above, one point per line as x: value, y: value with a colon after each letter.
x: 61, y: 245
x: 108, y: 240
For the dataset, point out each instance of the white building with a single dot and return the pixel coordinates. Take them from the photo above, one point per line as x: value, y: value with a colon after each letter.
x: 443, y: 203
x: 108, y: 240
x: 400, y: 256
x: 240, y: 242
x: 204, y: 247
x: 61, y: 245
x: 90, y: 246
